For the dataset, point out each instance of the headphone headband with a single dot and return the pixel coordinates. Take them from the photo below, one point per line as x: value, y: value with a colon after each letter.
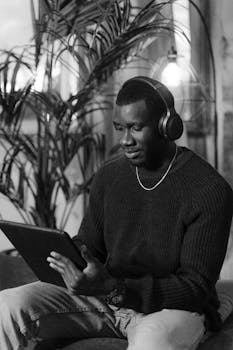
x: 158, y: 87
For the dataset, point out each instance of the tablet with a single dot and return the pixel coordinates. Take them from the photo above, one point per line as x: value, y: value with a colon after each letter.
x: 35, y: 244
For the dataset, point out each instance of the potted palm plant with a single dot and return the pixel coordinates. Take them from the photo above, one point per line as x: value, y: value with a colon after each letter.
x: 101, y: 37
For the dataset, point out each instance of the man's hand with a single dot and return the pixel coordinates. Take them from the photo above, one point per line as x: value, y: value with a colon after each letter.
x: 93, y: 280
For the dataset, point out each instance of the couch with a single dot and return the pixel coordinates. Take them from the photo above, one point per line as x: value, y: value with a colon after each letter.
x: 14, y: 272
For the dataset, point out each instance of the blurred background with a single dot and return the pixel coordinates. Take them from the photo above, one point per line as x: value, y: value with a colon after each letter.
x: 61, y: 65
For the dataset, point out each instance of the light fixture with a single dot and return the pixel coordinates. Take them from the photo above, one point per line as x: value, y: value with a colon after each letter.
x: 172, y: 73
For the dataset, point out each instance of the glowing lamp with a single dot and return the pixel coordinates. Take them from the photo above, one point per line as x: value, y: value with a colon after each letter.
x: 172, y: 74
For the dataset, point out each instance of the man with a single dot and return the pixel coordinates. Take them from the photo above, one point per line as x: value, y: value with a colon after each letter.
x: 154, y: 239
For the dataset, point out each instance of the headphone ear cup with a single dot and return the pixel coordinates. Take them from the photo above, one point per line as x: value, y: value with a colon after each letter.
x: 171, y: 126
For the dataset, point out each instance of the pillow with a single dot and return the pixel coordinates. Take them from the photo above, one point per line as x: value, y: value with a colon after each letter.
x: 224, y: 290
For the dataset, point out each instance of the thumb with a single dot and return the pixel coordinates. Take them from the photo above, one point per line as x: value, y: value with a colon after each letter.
x: 86, y: 254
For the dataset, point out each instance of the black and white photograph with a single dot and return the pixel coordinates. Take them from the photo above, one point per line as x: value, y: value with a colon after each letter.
x: 116, y: 175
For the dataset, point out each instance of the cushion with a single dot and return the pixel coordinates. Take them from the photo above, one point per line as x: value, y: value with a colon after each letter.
x: 85, y: 344
x: 98, y: 344
x: 220, y: 340
x: 225, y: 294
x: 14, y: 271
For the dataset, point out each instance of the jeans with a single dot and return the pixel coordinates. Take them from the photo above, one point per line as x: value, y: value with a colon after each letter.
x: 45, y: 311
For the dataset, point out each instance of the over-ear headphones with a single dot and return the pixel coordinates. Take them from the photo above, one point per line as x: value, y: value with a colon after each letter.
x: 170, y: 125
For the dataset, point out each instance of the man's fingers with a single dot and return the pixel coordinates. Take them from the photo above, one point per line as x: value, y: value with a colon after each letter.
x: 63, y: 270
x: 56, y: 262
x: 56, y: 268
x: 63, y: 261
x: 70, y: 273
x: 59, y: 257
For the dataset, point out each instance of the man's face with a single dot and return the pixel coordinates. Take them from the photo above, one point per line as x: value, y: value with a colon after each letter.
x: 138, y: 132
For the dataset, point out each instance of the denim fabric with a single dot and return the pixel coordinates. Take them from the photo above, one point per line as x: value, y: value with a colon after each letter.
x: 45, y: 311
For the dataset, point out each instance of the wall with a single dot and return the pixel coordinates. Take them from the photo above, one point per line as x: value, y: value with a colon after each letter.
x: 16, y: 26
x: 227, y: 87
x: 16, y: 29
x: 223, y: 43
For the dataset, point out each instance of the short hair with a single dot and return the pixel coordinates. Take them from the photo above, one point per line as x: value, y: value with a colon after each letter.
x: 138, y: 90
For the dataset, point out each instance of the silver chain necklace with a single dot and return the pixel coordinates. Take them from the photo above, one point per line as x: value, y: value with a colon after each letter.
x: 162, y: 178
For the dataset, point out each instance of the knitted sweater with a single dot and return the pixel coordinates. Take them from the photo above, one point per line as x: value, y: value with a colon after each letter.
x: 169, y: 243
